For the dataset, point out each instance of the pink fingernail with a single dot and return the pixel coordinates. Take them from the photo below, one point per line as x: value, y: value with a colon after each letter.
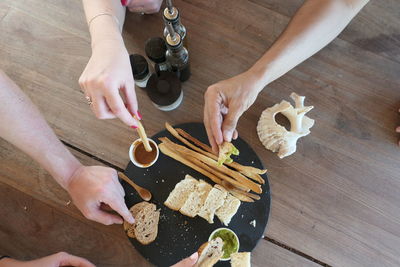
x: 134, y: 127
x: 124, y: 2
x: 140, y: 115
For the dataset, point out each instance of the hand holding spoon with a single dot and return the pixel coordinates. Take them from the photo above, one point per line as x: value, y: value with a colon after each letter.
x: 143, y: 192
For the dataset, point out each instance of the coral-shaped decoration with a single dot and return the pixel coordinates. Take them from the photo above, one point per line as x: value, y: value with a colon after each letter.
x: 274, y: 136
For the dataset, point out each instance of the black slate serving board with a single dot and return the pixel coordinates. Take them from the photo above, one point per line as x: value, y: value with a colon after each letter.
x: 178, y: 235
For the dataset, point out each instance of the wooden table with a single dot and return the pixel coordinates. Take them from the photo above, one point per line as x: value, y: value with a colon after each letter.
x: 336, y: 202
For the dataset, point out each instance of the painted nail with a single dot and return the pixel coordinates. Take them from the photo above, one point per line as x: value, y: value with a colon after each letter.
x: 140, y: 115
x: 134, y: 127
x: 124, y: 2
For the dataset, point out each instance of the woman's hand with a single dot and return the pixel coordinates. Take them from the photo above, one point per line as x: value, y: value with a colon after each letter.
x: 90, y: 187
x: 143, y: 6
x: 225, y: 102
x: 108, y: 82
x: 55, y: 260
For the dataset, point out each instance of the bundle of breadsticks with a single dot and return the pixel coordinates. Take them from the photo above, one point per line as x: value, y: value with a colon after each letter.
x: 237, y: 179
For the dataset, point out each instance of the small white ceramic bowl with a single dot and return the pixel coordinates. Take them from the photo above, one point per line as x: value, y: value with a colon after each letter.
x: 237, y: 239
x: 132, y: 157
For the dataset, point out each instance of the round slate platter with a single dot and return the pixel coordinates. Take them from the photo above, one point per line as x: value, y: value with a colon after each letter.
x: 178, y: 235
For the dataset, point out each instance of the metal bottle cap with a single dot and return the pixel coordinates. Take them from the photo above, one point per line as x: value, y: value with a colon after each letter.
x: 173, y: 39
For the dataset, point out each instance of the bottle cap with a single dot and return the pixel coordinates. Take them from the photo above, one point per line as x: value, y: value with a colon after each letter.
x: 155, y: 49
x: 171, y: 16
x: 140, y: 68
x: 165, y: 89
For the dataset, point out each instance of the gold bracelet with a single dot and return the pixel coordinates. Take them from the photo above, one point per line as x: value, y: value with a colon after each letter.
x: 104, y: 14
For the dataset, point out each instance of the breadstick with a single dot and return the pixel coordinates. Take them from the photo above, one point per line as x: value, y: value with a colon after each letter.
x: 213, y: 166
x: 249, y: 171
x: 143, y: 136
x: 171, y: 153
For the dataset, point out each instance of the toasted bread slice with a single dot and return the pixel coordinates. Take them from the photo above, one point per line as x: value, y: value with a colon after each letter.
x: 210, y: 253
x: 145, y: 228
x: 181, y: 192
x: 134, y: 210
x: 240, y: 259
x: 228, y: 209
x: 196, y: 199
x: 214, y: 201
x: 146, y: 224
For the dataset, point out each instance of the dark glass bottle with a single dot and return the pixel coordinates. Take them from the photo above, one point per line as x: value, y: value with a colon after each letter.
x: 165, y: 91
x: 177, y: 55
x: 140, y: 70
x: 171, y: 15
x: 155, y: 50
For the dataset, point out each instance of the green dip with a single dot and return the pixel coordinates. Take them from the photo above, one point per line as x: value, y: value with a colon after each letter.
x: 231, y: 244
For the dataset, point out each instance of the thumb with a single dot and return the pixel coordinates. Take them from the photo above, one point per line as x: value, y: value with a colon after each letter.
x: 230, y: 123
x: 188, y: 262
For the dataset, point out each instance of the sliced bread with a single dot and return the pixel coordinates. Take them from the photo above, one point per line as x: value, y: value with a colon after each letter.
x: 228, y: 209
x: 196, y: 199
x: 145, y: 228
x: 181, y: 192
x: 210, y: 253
x: 240, y: 259
x: 129, y: 228
x: 215, y: 200
x: 146, y: 224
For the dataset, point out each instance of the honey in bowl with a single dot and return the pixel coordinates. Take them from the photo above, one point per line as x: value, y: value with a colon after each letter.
x: 142, y: 156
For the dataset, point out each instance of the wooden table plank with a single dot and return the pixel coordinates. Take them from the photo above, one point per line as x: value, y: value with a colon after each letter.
x: 32, y: 229
x: 268, y: 254
x: 37, y: 213
x: 335, y: 199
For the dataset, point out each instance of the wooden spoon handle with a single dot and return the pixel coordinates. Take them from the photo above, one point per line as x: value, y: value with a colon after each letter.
x: 143, y: 192
x: 129, y: 181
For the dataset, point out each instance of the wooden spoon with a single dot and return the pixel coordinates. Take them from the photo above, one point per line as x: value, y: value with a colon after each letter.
x: 143, y: 192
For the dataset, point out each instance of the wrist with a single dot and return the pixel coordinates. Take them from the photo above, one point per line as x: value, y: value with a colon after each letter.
x: 105, y: 29
x: 255, y: 77
x: 72, y: 174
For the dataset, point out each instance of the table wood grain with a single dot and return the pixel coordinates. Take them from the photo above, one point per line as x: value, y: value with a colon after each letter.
x: 336, y: 200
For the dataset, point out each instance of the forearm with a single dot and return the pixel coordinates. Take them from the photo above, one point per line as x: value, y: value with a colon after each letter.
x: 313, y: 26
x: 23, y: 125
x: 104, y: 27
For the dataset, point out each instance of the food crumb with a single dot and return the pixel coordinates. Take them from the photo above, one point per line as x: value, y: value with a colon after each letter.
x: 25, y: 208
x: 242, y: 216
x: 253, y: 223
x: 162, y: 180
x: 67, y: 204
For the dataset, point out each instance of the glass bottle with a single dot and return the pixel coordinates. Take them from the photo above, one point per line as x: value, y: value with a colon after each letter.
x: 177, y: 55
x: 140, y: 70
x: 171, y: 15
x: 155, y: 50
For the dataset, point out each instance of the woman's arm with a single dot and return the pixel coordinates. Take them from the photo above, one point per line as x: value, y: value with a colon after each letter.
x: 22, y: 125
x: 107, y: 80
x: 313, y: 26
